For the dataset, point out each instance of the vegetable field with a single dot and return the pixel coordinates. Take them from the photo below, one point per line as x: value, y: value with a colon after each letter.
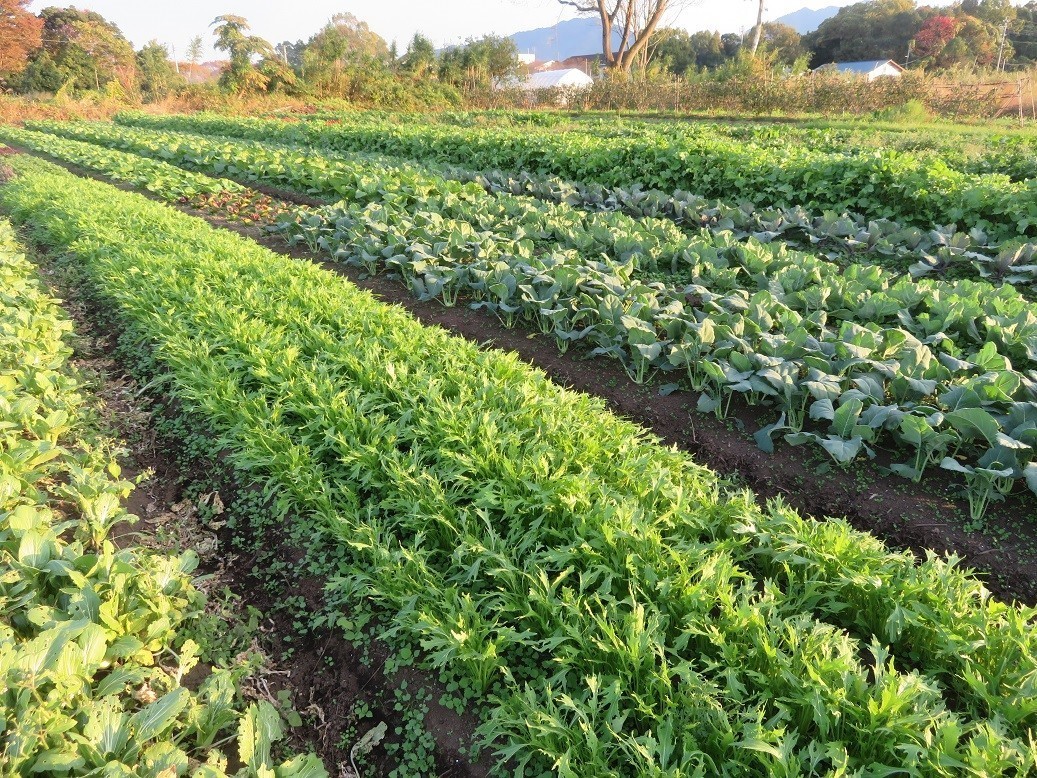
x: 92, y: 653
x: 599, y: 602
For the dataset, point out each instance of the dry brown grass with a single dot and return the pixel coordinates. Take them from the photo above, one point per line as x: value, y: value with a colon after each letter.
x: 15, y: 109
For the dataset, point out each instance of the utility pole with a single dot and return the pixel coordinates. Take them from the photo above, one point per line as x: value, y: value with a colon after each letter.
x: 1001, y: 48
x: 176, y: 65
x: 910, y: 47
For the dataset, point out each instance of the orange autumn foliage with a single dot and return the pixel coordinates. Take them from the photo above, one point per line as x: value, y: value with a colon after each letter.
x: 21, y: 33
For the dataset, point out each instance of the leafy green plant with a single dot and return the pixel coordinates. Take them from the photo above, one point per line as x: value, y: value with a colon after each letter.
x: 628, y: 616
x: 878, y: 184
x: 94, y: 639
x: 756, y: 322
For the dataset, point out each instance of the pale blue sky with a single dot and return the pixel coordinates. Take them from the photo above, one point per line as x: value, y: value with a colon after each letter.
x: 444, y: 21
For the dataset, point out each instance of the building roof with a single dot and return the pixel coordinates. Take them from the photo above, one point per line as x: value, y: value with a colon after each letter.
x: 549, y: 79
x: 862, y: 68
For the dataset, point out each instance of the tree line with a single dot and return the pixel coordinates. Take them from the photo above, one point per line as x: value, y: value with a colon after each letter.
x: 972, y: 34
x: 72, y: 50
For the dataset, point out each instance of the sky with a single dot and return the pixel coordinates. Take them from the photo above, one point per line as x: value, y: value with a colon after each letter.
x: 444, y: 21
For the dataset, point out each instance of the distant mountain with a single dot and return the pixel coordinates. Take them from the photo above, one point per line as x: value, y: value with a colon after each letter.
x: 566, y: 39
x: 583, y: 35
x: 807, y: 19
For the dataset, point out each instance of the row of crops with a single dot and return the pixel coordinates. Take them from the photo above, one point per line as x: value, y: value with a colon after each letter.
x: 918, y: 192
x: 93, y: 646
x: 852, y: 355
x: 620, y: 612
x: 839, y: 236
x: 1010, y: 151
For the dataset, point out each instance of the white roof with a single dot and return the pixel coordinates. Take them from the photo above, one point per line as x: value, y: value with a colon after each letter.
x: 550, y: 79
x: 863, y: 67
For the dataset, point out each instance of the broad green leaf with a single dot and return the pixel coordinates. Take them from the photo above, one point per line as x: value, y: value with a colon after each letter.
x: 974, y: 422
x: 153, y: 720
x: 58, y: 761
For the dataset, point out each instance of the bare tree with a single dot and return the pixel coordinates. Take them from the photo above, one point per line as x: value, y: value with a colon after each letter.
x: 633, y: 21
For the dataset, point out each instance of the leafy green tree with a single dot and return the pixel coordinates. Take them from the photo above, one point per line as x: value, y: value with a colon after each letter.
x: 680, y: 52
x: 109, y: 52
x: 156, y: 73
x: 334, y: 56
x: 993, y: 12
x: 876, y: 29
x: 80, y: 49
x: 974, y: 45
x: 673, y: 51
x: 1023, y: 33
x: 344, y: 40
x: 42, y: 74
x: 420, y: 59
x: 291, y: 54
x: 231, y: 36
x: 784, y: 42
x: 732, y: 43
x: 279, y: 75
x: 479, y: 63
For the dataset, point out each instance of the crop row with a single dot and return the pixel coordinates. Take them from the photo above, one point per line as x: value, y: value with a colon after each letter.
x: 969, y: 150
x: 974, y: 151
x: 880, y: 185
x: 157, y: 177
x: 847, y: 359
x: 92, y: 637
x: 843, y: 237
x: 626, y: 615
x: 915, y: 382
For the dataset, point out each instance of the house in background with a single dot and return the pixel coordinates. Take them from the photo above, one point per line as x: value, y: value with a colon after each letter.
x: 591, y: 64
x: 870, y: 68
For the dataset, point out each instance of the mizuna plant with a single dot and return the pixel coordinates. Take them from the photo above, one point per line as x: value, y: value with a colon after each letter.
x: 154, y: 176
x: 92, y: 643
x: 623, y: 614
